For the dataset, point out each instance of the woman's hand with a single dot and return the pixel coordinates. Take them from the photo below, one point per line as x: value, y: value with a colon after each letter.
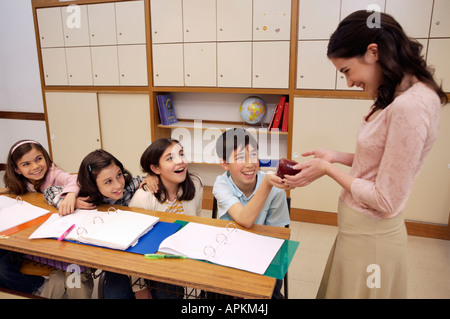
x: 310, y: 171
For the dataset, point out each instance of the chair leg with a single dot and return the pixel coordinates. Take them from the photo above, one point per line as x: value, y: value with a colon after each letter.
x: 286, y: 286
x: 101, y: 285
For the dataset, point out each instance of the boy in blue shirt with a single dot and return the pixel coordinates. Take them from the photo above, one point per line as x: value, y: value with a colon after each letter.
x: 244, y: 193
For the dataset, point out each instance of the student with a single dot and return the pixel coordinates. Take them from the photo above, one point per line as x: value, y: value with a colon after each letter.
x: 178, y: 192
x: 391, y: 146
x: 244, y: 193
x: 103, y: 180
x: 30, y: 169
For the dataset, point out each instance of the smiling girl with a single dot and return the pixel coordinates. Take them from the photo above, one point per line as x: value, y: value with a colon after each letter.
x: 178, y: 191
x: 30, y: 169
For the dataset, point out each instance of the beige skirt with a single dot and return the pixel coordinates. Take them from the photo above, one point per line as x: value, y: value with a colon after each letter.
x: 368, y: 258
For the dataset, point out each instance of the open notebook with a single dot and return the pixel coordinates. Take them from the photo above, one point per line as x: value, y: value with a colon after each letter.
x: 228, y: 246
x: 14, y: 212
x: 116, y: 229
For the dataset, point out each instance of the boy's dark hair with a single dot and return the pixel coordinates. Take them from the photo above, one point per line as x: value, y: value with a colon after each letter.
x: 231, y: 140
x: 151, y: 156
x: 90, y: 167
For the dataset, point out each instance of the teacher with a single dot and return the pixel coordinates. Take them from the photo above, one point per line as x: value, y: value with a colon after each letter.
x: 368, y: 259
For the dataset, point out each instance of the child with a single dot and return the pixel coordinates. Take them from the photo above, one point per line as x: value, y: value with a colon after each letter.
x: 245, y: 194
x: 178, y: 192
x: 30, y: 169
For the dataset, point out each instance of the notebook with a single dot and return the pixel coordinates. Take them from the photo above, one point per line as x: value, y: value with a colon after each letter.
x: 14, y: 212
x: 116, y: 229
x: 227, y: 246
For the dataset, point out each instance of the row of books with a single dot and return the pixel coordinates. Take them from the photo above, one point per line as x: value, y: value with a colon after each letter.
x: 280, y: 116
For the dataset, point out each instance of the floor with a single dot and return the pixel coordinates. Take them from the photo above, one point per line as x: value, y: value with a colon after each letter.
x: 428, y: 273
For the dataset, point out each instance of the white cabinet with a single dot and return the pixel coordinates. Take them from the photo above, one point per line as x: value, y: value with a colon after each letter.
x: 105, y: 66
x: 314, y: 69
x: 167, y: 21
x: 199, y: 20
x: 271, y: 64
x: 50, y: 27
x: 319, y: 123
x: 71, y: 143
x: 200, y: 64
x: 413, y: 15
x: 318, y: 19
x: 234, y: 21
x: 234, y: 64
x: 79, y: 68
x: 168, y: 64
x: 440, y: 24
x: 271, y: 20
x: 130, y: 112
x: 54, y: 66
x: 132, y: 64
x: 75, y: 25
x: 438, y: 57
x: 130, y: 22
x: 102, y: 24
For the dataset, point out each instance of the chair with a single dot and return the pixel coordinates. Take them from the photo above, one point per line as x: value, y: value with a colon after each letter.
x: 288, y: 199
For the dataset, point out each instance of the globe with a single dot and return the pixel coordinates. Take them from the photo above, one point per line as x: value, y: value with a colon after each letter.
x: 252, y: 110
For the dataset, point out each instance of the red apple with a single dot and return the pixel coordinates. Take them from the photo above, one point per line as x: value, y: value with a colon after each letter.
x: 285, y: 167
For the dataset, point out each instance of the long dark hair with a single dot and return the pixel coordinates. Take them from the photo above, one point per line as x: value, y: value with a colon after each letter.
x: 151, y: 156
x: 17, y: 183
x: 397, y: 54
x: 89, y: 169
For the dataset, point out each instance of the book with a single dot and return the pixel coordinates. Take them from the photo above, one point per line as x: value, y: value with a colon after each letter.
x: 116, y: 229
x: 285, y: 121
x: 166, y: 109
x: 226, y: 246
x: 17, y: 212
x: 277, y: 113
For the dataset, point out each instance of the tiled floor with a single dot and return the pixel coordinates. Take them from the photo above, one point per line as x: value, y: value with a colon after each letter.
x: 428, y: 273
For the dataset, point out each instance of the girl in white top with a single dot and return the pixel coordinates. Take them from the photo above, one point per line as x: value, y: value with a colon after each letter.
x: 178, y: 191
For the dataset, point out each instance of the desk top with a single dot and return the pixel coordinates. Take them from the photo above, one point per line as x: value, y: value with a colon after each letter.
x: 185, y: 272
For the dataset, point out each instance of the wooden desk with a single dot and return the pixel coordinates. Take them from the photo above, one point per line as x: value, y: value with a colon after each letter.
x: 186, y: 272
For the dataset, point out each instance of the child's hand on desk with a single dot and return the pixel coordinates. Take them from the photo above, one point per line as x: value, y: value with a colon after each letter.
x: 67, y: 205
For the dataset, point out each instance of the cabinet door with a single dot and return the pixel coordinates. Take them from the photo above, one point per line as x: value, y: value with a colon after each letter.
x: 271, y: 64
x: 168, y: 64
x: 438, y: 53
x: 130, y: 21
x: 440, y: 24
x: 326, y: 123
x: 271, y: 20
x: 105, y: 65
x: 234, y: 64
x: 318, y: 19
x: 50, y: 27
x: 349, y: 6
x: 413, y: 15
x: 200, y: 64
x: 199, y: 20
x: 79, y: 68
x: 314, y: 69
x: 102, y: 24
x: 70, y: 144
x: 234, y: 20
x: 54, y: 65
x: 132, y: 64
x: 75, y: 25
x: 130, y: 112
x: 167, y: 21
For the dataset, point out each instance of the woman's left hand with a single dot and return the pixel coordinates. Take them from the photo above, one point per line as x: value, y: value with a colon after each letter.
x: 310, y: 171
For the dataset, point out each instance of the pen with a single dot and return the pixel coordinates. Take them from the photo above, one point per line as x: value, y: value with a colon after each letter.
x: 159, y: 256
x: 64, y: 235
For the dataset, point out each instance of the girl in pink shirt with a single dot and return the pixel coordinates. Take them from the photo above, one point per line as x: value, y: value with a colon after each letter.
x: 391, y: 146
